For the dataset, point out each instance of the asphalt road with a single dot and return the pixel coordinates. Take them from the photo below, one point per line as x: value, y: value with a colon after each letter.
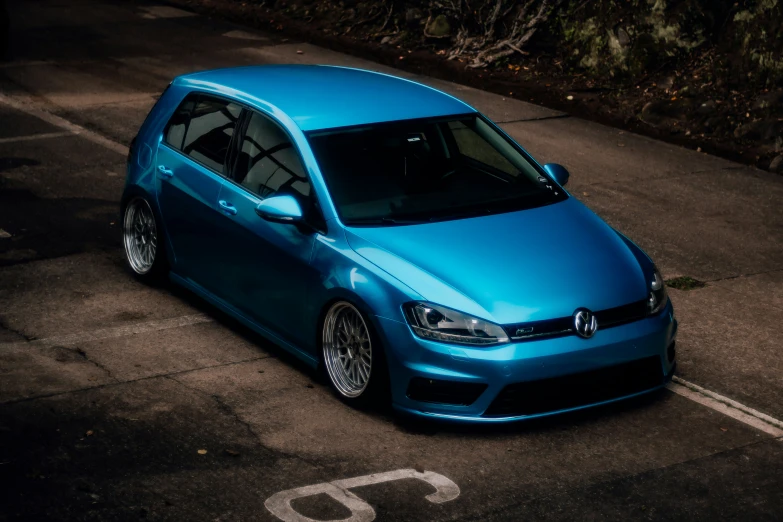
x: 110, y: 391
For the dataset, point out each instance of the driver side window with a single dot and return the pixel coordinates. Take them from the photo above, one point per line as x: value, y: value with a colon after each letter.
x: 268, y: 163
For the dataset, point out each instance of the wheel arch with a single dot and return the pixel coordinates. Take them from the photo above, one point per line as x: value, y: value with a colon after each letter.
x: 336, y: 295
x: 136, y: 191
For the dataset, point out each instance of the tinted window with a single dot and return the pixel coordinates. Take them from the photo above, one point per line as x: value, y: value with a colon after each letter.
x: 427, y: 170
x: 178, y: 124
x: 472, y: 145
x: 209, y: 131
x: 268, y: 162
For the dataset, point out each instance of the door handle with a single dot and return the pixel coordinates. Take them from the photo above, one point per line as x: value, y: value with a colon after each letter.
x: 227, y: 207
x: 165, y: 172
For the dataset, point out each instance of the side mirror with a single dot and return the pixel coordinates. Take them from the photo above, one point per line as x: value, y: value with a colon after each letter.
x: 280, y: 209
x: 558, y: 172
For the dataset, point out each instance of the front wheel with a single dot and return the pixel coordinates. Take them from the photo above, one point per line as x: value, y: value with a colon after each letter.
x: 353, y: 362
x: 144, y: 251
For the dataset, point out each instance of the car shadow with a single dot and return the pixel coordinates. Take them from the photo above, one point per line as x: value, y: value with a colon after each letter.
x: 420, y: 425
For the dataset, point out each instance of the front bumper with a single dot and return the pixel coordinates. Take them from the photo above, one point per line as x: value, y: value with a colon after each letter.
x: 497, y: 367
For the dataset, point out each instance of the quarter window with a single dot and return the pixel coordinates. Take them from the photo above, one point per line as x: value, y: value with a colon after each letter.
x: 209, y: 132
x: 268, y: 162
x: 175, y: 129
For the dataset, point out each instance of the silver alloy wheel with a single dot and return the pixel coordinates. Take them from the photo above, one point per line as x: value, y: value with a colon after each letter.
x: 347, y: 349
x: 140, y: 235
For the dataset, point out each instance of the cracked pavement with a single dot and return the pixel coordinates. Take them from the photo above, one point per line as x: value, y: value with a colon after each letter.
x: 109, y: 389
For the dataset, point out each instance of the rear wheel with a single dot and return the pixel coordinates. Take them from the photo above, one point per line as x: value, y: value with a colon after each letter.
x: 144, y: 251
x: 353, y: 362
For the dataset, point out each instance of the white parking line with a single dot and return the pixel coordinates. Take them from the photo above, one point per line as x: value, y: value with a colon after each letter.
x: 122, y: 331
x: 64, y: 124
x: 43, y: 136
x: 726, y: 406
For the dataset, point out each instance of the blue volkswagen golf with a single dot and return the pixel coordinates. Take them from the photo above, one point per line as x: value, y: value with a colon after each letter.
x: 396, y: 238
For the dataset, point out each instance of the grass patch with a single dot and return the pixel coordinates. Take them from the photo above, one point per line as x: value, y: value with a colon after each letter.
x: 685, y: 283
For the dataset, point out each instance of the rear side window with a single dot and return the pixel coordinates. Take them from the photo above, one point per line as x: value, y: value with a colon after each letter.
x: 209, y: 132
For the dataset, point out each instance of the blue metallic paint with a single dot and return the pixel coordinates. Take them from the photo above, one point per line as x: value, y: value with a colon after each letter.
x: 278, y: 279
x: 280, y: 209
x: 521, y: 266
x: 319, y: 97
x: 558, y: 173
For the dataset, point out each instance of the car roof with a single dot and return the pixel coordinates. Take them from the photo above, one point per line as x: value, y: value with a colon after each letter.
x: 322, y: 96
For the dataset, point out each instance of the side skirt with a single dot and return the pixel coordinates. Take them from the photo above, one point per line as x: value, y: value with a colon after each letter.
x: 239, y: 316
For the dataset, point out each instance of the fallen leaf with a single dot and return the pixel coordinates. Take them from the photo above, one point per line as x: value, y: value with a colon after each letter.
x: 232, y: 453
x: 89, y: 433
x: 724, y: 429
x: 202, y: 452
x: 298, y: 51
x: 310, y: 385
x: 621, y: 144
x: 698, y: 149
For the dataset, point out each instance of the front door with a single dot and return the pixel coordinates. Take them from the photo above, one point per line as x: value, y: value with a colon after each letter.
x: 190, y: 171
x: 266, y: 265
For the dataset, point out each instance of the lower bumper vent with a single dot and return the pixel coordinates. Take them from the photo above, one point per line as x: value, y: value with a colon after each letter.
x: 579, y: 389
x: 444, y: 392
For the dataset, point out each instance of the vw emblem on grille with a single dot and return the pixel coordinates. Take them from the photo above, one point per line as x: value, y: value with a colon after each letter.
x: 585, y: 323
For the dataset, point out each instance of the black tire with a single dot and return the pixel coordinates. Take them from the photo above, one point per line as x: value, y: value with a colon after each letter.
x: 143, y: 241
x: 376, y: 391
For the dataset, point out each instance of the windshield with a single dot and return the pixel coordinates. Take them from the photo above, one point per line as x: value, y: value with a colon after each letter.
x: 416, y: 171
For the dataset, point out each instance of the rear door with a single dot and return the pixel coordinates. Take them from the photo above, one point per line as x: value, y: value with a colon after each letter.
x: 190, y: 169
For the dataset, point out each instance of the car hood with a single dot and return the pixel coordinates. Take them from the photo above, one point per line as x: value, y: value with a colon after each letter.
x: 529, y: 265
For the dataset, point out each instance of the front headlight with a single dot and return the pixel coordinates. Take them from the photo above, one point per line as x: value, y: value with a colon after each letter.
x: 449, y: 326
x: 658, y: 298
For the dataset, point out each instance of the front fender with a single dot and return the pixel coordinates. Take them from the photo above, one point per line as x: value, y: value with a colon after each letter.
x: 345, y: 275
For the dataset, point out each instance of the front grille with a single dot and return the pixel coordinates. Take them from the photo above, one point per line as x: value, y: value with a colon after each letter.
x: 445, y: 392
x: 621, y: 314
x: 533, y: 330
x: 579, y: 389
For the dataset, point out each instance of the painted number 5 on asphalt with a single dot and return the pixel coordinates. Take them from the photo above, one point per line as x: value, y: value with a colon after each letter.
x: 279, y: 504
